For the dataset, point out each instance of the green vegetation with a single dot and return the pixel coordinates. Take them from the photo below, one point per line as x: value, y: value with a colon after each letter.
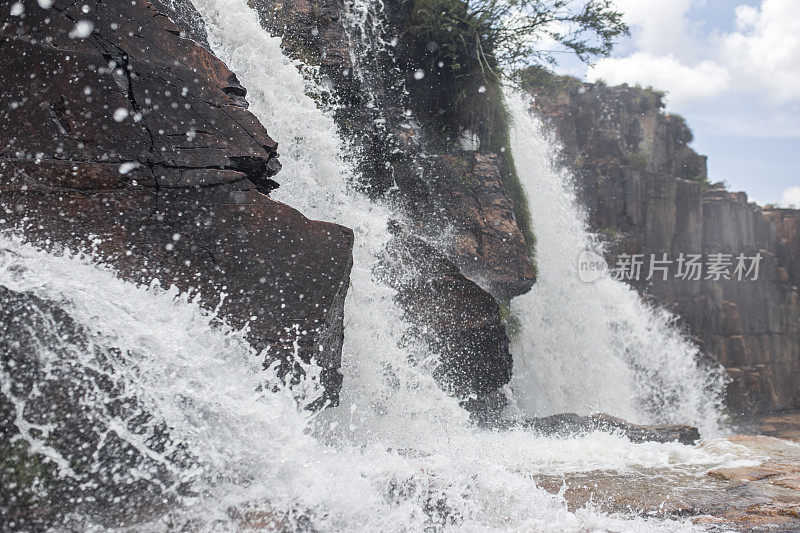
x: 22, y: 473
x: 542, y: 80
x: 609, y: 232
x: 511, y: 321
x: 639, y: 161
x: 683, y: 132
x: 462, y: 51
x: 652, y: 97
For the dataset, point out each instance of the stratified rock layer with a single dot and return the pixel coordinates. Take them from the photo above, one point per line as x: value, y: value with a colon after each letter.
x: 647, y: 191
x: 567, y: 424
x: 120, y: 134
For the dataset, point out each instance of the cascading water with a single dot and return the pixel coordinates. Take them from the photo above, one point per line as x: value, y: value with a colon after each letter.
x: 397, y: 454
x: 238, y: 456
x: 590, y: 347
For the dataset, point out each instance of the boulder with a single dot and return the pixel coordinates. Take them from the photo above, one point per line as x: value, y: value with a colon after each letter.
x: 486, y: 243
x: 570, y: 423
x: 457, y: 320
x: 122, y: 135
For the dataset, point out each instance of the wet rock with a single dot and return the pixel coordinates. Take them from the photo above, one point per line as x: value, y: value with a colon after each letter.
x: 459, y: 322
x: 571, y: 423
x: 47, y: 359
x: 454, y: 201
x: 785, y: 425
x: 487, y: 244
x: 456, y: 193
x: 748, y: 498
x: 133, y: 141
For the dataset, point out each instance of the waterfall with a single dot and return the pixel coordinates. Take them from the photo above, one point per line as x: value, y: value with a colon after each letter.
x: 589, y: 347
x: 238, y: 455
x: 224, y: 451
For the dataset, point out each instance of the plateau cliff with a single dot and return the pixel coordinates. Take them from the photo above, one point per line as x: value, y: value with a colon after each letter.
x: 647, y: 192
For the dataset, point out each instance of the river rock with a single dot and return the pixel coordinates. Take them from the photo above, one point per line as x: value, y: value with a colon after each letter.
x: 122, y: 135
x: 566, y: 424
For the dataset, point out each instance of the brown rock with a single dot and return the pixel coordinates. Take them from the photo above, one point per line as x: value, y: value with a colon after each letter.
x: 571, y: 423
x: 135, y: 140
x: 753, y: 473
x: 460, y: 322
x: 488, y: 246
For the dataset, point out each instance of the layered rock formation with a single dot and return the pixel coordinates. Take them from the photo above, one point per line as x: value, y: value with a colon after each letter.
x: 120, y: 134
x: 456, y: 208
x: 646, y: 191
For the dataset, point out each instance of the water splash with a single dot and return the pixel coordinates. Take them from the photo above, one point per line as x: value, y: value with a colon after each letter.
x: 398, y: 454
x: 590, y: 347
x: 251, y: 455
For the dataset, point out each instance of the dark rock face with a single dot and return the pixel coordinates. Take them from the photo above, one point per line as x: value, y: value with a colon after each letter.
x: 454, y: 201
x: 647, y: 192
x: 44, y: 355
x: 135, y: 140
x: 457, y: 320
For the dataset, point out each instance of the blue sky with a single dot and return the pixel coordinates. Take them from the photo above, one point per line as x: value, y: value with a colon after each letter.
x: 732, y: 68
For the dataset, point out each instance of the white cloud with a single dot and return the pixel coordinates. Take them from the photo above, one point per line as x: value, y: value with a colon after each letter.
x: 684, y: 83
x: 661, y: 25
x: 763, y: 52
x: 753, y: 67
x: 791, y: 197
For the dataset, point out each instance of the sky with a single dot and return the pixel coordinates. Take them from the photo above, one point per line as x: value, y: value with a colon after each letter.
x: 732, y: 69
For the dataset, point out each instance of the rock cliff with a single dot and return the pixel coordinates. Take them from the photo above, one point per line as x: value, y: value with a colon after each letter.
x: 647, y: 192
x: 456, y: 210
x: 122, y: 135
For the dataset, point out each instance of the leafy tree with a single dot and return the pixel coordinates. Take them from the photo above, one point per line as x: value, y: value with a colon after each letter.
x: 458, y: 54
x: 463, y: 49
x: 516, y: 28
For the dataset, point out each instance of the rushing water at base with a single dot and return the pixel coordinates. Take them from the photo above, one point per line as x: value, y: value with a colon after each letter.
x: 257, y: 457
x: 398, y: 454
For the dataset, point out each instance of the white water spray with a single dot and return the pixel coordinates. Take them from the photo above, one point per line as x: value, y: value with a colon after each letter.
x: 253, y: 459
x: 593, y: 347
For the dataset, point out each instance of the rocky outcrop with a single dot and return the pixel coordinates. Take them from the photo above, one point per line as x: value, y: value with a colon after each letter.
x: 456, y: 320
x: 485, y: 242
x: 646, y: 191
x: 122, y: 135
x: 454, y: 201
